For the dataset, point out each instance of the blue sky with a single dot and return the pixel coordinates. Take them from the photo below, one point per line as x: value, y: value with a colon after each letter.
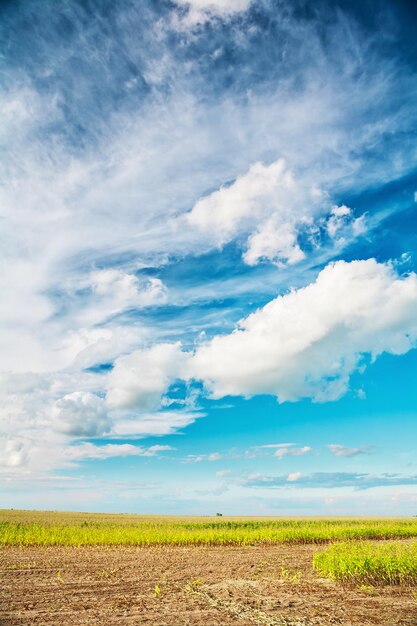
x: 208, y: 226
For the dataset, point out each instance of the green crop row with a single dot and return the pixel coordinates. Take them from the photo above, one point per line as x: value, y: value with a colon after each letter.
x: 49, y: 528
x: 369, y: 564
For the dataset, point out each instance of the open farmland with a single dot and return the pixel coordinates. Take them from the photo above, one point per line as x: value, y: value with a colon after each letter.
x: 65, y: 568
x: 51, y: 528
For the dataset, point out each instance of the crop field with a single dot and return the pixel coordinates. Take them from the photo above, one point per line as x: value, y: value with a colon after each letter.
x: 79, y: 568
x: 51, y: 528
x: 390, y: 564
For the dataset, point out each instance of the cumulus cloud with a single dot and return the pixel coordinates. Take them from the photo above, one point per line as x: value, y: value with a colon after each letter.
x: 275, y: 242
x: 294, y: 476
x: 252, y: 195
x: 342, y: 451
x: 40, y: 415
x: 81, y: 414
x: 138, y: 380
x: 307, y: 343
x: 267, y: 205
x: 269, y: 211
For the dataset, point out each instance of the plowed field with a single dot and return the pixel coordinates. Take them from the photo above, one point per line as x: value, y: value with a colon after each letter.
x: 174, y: 585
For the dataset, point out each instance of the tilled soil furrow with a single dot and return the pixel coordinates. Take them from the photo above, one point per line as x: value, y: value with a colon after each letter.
x: 269, y: 586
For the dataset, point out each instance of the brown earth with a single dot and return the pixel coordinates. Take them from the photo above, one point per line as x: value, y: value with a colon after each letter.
x: 175, y: 586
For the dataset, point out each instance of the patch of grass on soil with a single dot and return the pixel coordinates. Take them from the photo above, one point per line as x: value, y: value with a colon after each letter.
x: 372, y: 564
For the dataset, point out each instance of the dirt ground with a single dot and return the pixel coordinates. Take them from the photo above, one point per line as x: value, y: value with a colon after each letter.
x: 175, y: 586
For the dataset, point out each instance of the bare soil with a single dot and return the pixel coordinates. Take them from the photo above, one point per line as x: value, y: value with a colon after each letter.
x: 174, y: 586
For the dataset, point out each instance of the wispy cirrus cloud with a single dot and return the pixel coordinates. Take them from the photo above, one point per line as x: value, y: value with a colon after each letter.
x: 90, y: 451
x: 199, y: 458
x: 329, y: 480
x: 342, y: 451
x: 198, y: 12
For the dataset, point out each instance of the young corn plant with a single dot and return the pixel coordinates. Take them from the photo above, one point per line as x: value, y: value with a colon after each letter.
x: 369, y: 564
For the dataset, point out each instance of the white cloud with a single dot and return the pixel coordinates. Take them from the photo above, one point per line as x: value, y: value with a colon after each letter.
x: 218, y: 490
x: 200, y: 11
x: 331, y: 480
x: 269, y: 208
x: 139, y: 379
x: 343, y: 451
x: 217, y: 5
x: 274, y: 242
x: 40, y: 415
x: 276, y: 445
x: 13, y: 452
x: 114, y: 290
x: 198, y: 458
x: 81, y: 414
x: 155, y: 424
x: 223, y: 473
x: 214, y: 456
x: 336, y: 221
x: 239, y: 206
x: 86, y: 347
x: 290, y: 451
x: 308, y: 342
x: 116, y: 284
x: 305, y: 343
x: 90, y: 451
x: 341, y: 224
x: 266, y: 205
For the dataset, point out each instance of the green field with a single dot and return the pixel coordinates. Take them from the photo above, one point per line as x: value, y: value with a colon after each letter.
x: 371, y: 564
x: 54, y: 528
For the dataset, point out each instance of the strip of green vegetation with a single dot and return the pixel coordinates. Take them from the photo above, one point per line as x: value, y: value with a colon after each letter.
x: 52, y: 528
x: 369, y: 564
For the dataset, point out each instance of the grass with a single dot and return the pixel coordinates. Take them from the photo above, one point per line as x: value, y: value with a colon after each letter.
x: 54, y: 528
x: 369, y: 564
